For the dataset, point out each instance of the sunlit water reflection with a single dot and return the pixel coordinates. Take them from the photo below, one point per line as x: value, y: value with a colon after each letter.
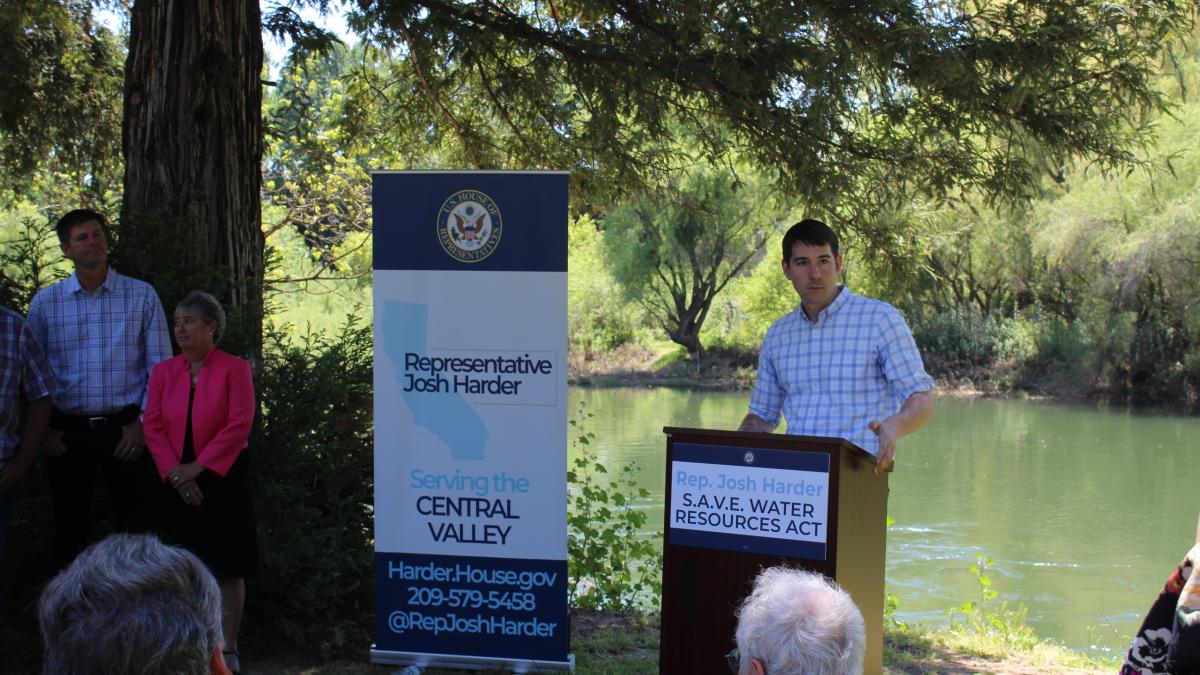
x: 1085, y: 509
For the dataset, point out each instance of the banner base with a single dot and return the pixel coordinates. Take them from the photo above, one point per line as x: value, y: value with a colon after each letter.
x: 390, y: 658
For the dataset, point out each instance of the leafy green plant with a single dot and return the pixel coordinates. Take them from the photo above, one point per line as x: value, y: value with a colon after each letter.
x: 1061, y: 346
x: 1001, y: 625
x: 29, y: 260
x: 964, y: 338
x: 610, y: 564
x: 313, y: 465
x: 891, y: 603
x: 598, y: 318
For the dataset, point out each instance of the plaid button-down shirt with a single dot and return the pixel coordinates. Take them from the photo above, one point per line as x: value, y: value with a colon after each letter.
x: 23, y: 373
x: 830, y: 377
x: 101, y: 345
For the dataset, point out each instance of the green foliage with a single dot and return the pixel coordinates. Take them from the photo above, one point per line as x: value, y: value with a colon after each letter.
x: 970, y: 256
x: 316, y: 191
x: 60, y: 101
x: 324, y: 134
x: 963, y: 339
x: 891, y: 603
x: 284, y: 23
x: 315, y: 171
x: 753, y: 302
x: 300, y: 297
x: 998, y: 624
x: 1122, y: 256
x: 313, y: 466
x: 597, y: 317
x: 856, y: 106
x: 1062, y: 348
x: 30, y: 259
x: 675, y: 248
x: 612, y: 565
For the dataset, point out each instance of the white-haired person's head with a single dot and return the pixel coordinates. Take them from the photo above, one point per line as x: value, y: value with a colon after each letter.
x: 799, y: 623
x: 131, y: 604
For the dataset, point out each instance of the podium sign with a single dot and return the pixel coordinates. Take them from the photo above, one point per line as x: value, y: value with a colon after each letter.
x: 772, y: 502
x: 741, y: 502
x: 470, y: 419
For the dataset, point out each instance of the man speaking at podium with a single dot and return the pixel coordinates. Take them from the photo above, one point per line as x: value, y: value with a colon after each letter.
x: 840, y: 364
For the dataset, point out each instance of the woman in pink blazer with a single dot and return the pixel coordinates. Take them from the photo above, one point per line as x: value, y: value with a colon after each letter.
x: 197, y: 421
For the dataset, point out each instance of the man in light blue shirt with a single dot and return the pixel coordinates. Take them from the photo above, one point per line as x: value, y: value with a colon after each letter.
x: 840, y: 364
x: 102, y: 333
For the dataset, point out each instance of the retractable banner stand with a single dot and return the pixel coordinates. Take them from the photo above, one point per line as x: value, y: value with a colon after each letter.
x: 470, y: 419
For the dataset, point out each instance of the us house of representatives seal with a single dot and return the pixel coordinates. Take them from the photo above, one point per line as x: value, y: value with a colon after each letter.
x: 469, y: 226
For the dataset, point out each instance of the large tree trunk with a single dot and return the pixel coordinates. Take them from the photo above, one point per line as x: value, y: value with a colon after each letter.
x: 191, y: 216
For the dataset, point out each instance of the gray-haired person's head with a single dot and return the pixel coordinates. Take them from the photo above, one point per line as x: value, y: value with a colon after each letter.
x: 800, y: 623
x: 131, y: 604
x: 205, y: 306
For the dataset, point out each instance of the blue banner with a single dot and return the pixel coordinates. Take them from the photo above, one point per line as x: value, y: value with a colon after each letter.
x: 470, y: 416
x: 479, y: 606
x: 418, y: 215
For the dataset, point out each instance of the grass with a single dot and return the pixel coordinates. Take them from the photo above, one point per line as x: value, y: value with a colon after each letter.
x: 963, y: 649
x: 620, y: 644
x: 603, y: 643
x: 614, y: 643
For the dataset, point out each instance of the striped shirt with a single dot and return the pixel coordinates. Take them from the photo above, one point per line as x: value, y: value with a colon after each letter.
x: 101, y: 345
x: 23, y: 373
x: 830, y: 377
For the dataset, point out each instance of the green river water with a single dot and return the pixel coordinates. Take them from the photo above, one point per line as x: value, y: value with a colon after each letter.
x: 1084, y: 508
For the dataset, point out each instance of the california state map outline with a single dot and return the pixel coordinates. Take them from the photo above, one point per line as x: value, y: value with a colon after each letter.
x: 446, y: 415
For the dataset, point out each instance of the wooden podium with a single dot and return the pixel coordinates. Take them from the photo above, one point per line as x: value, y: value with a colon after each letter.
x: 707, y: 573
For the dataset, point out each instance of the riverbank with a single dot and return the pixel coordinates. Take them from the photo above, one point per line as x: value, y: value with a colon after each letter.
x: 633, y: 365
x: 723, y: 369
x: 716, y: 369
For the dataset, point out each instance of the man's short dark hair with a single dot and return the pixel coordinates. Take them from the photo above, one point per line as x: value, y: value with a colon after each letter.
x: 812, y: 232
x: 77, y: 217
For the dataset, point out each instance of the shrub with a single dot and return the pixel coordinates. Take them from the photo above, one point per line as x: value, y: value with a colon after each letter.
x: 29, y: 260
x: 610, y: 564
x: 598, y: 318
x: 1062, y: 349
x: 963, y: 339
x: 313, y: 464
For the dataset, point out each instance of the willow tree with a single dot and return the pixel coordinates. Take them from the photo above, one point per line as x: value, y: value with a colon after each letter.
x: 677, y: 246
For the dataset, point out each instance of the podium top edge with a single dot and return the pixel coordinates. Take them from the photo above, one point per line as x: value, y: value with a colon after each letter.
x: 757, y: 435
x: 555, y: 172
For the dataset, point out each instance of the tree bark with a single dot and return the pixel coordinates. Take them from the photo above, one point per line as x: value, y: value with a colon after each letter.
x: 192, y: 138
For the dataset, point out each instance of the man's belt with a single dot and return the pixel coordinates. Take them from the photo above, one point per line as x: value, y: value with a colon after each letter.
x: 64, y: 422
